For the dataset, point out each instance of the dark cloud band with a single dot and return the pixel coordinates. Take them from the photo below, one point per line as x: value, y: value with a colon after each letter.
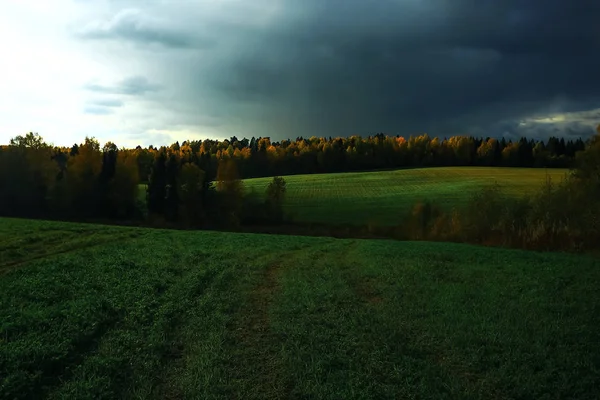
x: 336, y: 67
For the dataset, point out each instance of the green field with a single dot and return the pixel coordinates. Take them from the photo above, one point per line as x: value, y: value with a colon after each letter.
x: 383, y: 197
x: 89, y: 311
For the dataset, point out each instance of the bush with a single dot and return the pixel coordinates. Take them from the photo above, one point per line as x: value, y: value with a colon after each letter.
x: 512, y: 221
x: 479, y: 222
x: 418, y: 224
x: 564, y: 216
x: 275, y: 195
x: 253, y: 209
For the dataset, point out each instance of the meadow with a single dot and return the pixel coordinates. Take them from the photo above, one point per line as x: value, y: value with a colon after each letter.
x: 92, y: 311
x: 384, y: 197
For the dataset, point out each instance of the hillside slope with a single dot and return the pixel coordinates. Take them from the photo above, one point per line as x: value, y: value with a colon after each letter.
x: 92, y: 311
x: 383, y: 197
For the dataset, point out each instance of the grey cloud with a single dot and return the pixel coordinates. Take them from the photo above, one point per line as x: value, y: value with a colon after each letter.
x: 133, y: 25
x: 137, y: 85
x: 578, y: 129
x: 145, y: 138
x: 435, y: 66
x: 134, y: 85
x: 574, y: 124
x: 98, y: 110
x: 572, y: 129
x: 106, y: 103
x: 342, y: 67
x: 102, y: 106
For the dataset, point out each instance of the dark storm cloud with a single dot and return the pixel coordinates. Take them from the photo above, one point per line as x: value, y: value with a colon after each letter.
x: 132, y: 25
x: 339, y: 67
x: 577, y: 129
x: 134, y: 85
x: 445, y: 67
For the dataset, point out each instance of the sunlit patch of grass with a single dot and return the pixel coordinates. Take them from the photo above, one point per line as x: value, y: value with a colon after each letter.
x: 383, y: 197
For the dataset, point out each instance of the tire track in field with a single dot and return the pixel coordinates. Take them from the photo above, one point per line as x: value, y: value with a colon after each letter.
x: 173, y: 360
x: 267, y: 377
x: 258, y: 364
x: 58, y: 370
x: 11, y: 265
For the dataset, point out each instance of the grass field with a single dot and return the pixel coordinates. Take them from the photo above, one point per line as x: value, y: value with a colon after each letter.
x: 383, y: 197
x: 89, y: 311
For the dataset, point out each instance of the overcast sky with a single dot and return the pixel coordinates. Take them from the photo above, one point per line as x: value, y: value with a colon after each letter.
x: 156, y: 71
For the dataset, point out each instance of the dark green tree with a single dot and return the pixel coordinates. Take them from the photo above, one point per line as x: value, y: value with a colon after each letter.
x: 275, y: 197
x: 156, y: 192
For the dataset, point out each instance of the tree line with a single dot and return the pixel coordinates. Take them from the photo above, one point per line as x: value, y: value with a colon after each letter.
x: 261, y: 157
x: 90, y: 182
x: 198, y: 183
x: 39, y: 180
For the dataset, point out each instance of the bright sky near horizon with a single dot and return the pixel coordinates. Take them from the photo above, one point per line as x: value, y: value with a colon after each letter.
x: 152, y: 72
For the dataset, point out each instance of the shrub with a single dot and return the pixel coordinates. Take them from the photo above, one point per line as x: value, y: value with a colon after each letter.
x: 419, y: 222
x: 479, y: 222
x: 275, y: 196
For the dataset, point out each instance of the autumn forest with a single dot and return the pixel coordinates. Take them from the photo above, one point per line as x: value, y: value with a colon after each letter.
x: 198, y: 184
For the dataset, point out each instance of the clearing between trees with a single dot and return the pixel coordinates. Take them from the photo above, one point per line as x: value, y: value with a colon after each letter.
x: 384, y: 197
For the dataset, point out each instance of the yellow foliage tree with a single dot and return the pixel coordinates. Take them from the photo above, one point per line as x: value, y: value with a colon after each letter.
x: 83, y: 171
x: 230, y: 188
x: 124, y: 186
